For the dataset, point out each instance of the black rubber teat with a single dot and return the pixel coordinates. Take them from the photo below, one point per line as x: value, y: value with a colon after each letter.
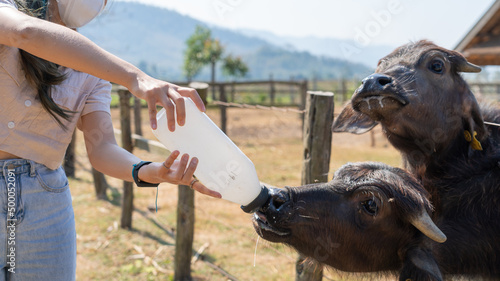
x: 260, y: 200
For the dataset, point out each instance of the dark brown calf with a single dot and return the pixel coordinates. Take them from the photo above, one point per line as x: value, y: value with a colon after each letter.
x: 370, y: 217
x: 429, y: 114
x: 421, y: 101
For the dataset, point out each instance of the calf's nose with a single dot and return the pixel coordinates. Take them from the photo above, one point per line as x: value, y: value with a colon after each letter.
x: 277, y: 199
x: 375, y: 82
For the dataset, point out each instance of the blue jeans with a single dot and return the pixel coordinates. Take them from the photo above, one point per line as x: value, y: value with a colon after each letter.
x: 37, y: 223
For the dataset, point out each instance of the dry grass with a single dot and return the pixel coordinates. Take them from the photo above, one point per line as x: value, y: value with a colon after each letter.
x: 272, y: 140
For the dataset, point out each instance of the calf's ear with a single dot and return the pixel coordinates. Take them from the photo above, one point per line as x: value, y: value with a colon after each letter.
x: 460, y: 62
x: 419, y: 264
x: 473, y: 119
x: 352, y: 121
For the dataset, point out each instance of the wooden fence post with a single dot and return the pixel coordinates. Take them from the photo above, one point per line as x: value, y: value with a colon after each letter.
x: 128, y: 191
x: 303, y: 94
x: 184, y: 234
x: 292, y: 91
x: 185, y: 215
x: 233, y: 92
x: 223, y: 109
x: 202, y: 89
x: 137, y: 116
x: 272, y: 89
x: 69, y: 158
x: 100, y: 185
x: 317, y: 138
x: 343, y: 89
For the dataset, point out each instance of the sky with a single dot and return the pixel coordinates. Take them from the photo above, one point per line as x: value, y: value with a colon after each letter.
x: 387, y: 22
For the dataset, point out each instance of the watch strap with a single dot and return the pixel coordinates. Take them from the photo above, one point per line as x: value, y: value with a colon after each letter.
x: 135, y: 175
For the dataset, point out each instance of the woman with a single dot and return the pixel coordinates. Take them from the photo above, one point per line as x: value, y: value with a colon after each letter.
x: 42, y: 101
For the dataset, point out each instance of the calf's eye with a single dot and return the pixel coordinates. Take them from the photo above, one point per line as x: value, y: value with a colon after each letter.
x: 370, y: 206
x: 437, y: 66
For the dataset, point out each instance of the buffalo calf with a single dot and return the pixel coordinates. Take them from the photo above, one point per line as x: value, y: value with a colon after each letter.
x: 370, y: 217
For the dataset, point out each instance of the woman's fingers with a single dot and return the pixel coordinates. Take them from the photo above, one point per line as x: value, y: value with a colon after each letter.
x: 198, y: 186
x: 181, y: 173
x: 180, y: 106
x: 171, y: 159
x: 167, y: 95
x: 152, y: 113
x: 178, y: 174
x: 194, y: 183
x: 193, y: 94
x: 188, y: 174
x: 162, y: 97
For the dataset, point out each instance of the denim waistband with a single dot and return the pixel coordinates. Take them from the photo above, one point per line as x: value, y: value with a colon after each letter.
x: 18, y: 166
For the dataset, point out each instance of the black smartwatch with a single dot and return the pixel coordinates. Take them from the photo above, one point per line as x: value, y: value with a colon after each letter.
x: 135, y: 175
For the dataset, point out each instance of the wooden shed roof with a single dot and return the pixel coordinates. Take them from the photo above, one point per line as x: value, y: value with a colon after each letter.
x: 482, y: 44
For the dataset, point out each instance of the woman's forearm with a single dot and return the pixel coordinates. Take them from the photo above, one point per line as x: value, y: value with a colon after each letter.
x: 64, y: 46
x: 114, y: 161
x: 107, y: 157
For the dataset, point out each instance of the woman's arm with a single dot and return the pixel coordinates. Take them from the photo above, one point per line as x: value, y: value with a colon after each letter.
x: 107, y: 157
x: 67, y: 47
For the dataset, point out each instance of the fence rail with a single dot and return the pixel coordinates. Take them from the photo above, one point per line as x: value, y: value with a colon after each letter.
x: 184, y: 237
x: 227, y: 94
x: 487, y: 90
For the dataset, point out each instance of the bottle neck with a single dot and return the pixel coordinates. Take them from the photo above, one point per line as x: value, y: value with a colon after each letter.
x: 258, y: 202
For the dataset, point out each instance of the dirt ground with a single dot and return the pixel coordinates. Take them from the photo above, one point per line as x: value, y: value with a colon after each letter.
x: 272, y: 140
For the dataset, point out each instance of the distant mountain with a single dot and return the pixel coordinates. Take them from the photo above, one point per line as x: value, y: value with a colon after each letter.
x: 154, y: 39
x: 336, y: 48
x: 301, y: 65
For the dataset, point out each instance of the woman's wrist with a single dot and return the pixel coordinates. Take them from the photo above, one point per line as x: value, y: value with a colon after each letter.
x: 140, y: 174
x: 134, y: 80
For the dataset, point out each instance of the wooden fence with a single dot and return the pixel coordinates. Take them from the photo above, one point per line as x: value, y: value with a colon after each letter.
x: 488, y: 91
x: 317, y: 146
x: 317, y: 140
x: 224, y: 96
x: 315, y: 105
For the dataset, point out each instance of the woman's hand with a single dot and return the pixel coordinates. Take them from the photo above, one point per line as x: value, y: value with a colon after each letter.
x: 175, y: 172
x: 158, y: 92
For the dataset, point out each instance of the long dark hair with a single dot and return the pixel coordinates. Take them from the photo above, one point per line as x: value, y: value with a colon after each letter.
x: 40, y: 73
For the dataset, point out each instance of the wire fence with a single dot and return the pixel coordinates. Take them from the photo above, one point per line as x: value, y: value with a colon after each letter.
x: 250, y: 106
x: 232, y: 103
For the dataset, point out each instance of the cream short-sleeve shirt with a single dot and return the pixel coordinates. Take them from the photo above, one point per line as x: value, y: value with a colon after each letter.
x: 27, y: 130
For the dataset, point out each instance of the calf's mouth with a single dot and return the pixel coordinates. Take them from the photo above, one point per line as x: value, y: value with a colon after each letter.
x: 378, y: 95
x: 262, y: 225
x: 271, y: 220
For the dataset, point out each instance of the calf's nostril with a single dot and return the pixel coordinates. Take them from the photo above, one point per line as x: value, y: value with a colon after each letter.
x: 384, y: 80
x: 278, y: 200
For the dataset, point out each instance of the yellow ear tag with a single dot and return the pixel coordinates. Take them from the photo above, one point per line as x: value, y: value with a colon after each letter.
x: 474, y: 143
x: 467, y: 136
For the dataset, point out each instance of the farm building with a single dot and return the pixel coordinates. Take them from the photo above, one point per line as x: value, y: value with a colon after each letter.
x: 481, y: 45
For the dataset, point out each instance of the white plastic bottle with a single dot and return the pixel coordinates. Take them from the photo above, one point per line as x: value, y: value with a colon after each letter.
x: 222, y: 166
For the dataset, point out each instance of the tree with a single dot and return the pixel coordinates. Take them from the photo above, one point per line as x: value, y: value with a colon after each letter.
x: 194, y: 55
x: 202, y: 50
x: 213, y: 54
x: 234, y: 67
